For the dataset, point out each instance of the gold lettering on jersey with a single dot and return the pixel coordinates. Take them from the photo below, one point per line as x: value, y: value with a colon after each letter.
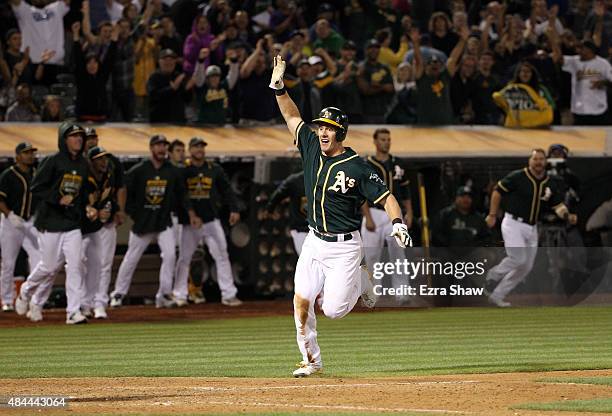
x: 588, y: 73
x: 216, y: 95
x: 343, y: 183
x: 155, y: 190
x: 199, y: 186
x: 71, y: 184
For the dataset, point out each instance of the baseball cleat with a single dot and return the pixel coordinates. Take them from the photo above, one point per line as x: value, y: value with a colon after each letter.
x: 165, y: 301
x: 116, y: 301
x: 7, y: 307
x: 197, y: 297
x: 500, y: 303
x: 181, y: 302
x: 100, y: 313
x: 368, y: 298
x: 76, y: 318
x: 306, y: 369
x: 87, y: 312
x: 21, y: 305
x: 231, y: 301
x: 35, y: 313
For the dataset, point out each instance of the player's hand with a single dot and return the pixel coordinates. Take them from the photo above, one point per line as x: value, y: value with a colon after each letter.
x: 369, y: 224
x: 119, y: 217
x: 572, y: 219
x: 195, y: 221
x: 91, y: 213
x: 491, y: 220
x: 104, y: 215
x: 402, y: 237
x: 278, y: 72
x: 234, y: 218
x: 16, y: 220
x: 66, y: 200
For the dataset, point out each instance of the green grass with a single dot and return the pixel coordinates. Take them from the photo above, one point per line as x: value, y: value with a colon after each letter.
x: 594, y: 405
x: 602, y: 381
x: 394, y: 343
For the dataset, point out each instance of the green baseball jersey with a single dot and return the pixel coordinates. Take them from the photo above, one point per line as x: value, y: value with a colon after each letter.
x: 15, y: 191
x: 452, y: 228
x: 336, y: 187
x: 393, y: 173
x: 524, y: 194
x: 102, y: 193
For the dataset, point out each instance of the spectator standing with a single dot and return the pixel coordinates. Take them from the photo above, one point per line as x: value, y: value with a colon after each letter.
x: 598, y: 26
x: 212, y: 92
x: 286, y: 18
x: 485, y: 84
x: 199, y: 38
x: 295, y: 50
x: 244, y: 28
x: 23, y: 109
x: 123, y: 72
x: 403, y: 108
x: 388, y: 56
x: 18, y: 62
x: 145, y: 52
x: 375, y: 84
x: 168, y: 89
x: 91, y: 75
x: 345, y: 85
x: 591, y: 74
x: 442, y: 38
x: 255, y: 76
x: 433, y: 81
x: 327, y: 38
x: 463, y: 87
x: 170, y: 39
x: 305, y: 95
x: 42, y: 34
x: 525, y: 100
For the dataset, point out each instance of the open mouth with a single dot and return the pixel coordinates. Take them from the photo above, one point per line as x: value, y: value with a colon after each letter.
x: 324, y: 140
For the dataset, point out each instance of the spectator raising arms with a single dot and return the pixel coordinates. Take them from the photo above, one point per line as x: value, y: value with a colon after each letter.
x: 525, y: 100
x: 91, y: 75
x: 200, y: 38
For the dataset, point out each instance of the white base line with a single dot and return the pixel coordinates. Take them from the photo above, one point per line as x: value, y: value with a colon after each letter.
x: 336, y: 407
x: 315, y: 386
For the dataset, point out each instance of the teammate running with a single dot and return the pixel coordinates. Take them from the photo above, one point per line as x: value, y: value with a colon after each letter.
x: 337, y: 183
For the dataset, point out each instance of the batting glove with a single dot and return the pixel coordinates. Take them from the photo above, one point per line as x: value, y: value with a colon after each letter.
x: 278, y: 72
x: 400, y: 232
x: 16, y: 220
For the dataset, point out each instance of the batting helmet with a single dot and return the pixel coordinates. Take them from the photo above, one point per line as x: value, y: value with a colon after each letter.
x: 336, y: 118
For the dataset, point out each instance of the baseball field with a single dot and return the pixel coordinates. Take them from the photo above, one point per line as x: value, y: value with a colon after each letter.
x: 214, y: 360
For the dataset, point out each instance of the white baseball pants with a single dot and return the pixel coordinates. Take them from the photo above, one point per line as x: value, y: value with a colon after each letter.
x: 97, y: 260
x: 137, y: 244
x: 11, y: 241
x: 521, y: 243
x: 214, y: 237
x: 333, y: 267
x: 298, y: 240
x: 55, y: 249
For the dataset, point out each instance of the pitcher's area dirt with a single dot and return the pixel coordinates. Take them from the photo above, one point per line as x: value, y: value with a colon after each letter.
x: 474, y: 394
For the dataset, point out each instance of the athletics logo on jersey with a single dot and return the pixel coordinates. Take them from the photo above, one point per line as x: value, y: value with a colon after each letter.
x: 374, y: 177
x: 71, y: 184
x: 398, y: 173
x: 343, y: 183
x: 155, y: 191
x: 547, y: 194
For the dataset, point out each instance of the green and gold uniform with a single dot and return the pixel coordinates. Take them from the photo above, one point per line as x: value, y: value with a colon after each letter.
x: 337, y: 186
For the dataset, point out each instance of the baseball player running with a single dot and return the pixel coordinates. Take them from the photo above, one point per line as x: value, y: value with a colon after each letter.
x: 205, y: 182
x: 17, y: 224
x: 293, y: 188
x: 58, y: 185
x: 108, y: 232
x: 377, y: 227
x: 523, y: 192
x: 337, y: 183
x: 154, y: 187
x: 102, y: 185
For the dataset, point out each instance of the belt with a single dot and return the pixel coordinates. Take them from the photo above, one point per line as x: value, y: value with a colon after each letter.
x: 519, y: 219
x: 333, y: 238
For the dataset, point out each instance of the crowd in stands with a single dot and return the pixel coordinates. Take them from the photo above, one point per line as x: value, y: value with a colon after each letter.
x: 517, y: 63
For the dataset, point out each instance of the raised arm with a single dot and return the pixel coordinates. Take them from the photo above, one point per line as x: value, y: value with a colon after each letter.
x: 453, y: 60
x: 419, y: 67
x: 287, y: 107
x: 249, y: 65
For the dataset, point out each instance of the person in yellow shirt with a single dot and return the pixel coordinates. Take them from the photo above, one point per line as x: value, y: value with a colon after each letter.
x: 388, y: 56
x: 145, y: 54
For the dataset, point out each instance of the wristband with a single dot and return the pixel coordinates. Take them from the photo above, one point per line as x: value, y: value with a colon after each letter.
x: 280, y: 92
x: 397, y: 221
